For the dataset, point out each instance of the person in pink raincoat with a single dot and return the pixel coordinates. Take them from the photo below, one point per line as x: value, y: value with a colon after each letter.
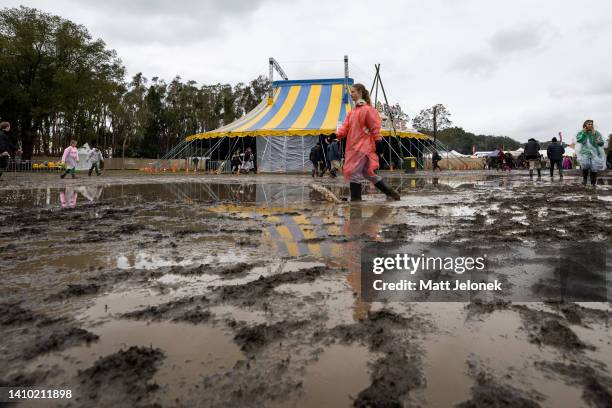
x: 68, y: 198
x: 70, y: 158
x: 361, y: 128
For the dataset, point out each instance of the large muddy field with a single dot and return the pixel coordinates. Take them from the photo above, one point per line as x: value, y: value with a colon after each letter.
x: 137, y: 290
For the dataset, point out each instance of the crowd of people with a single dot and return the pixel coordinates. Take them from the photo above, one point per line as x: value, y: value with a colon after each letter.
x: 590, y: 156
x: 243, y: 163
x: 325, y: 158
x: 361, y: 129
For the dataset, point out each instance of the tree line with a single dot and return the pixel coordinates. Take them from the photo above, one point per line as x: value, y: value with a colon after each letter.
x: 435, y: 121
x: 58, y: 83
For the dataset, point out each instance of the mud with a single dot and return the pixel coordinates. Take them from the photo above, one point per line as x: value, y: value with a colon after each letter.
x: 256, y: 292
x: 479, y: 306
x: 577, y: 314
x: 76, y: 290
x: 184, y: 309
x: 200, y: 290
x: 239, y: 270
x: 12, y: 314
x: 122, y: 378
x: 552, y: 330
x: 57, y: 340
x: 487, y: 392
x: 597, y: 388
x: 399, y: 370
x: 251, y: 339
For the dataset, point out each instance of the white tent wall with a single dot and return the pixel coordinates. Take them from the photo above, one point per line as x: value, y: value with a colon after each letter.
x: 284, y: 154
x: 279, y: 195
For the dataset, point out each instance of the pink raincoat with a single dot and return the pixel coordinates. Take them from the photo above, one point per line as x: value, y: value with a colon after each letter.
x: 68, y: 199
x: 70, y: 157
x: 361, y: 129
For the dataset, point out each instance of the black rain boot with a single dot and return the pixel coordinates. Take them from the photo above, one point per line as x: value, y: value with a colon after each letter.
x: 389, y: 192
x: 593, y: 178
x: 355, y: 191
x: 539, y: 174
x: 585, y: 174
x: 530, y: 174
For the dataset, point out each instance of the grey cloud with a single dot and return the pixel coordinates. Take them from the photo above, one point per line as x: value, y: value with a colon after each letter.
x: 485, y: 62
x: 210, y: 9
x: 595, y: 87
x: 167, y: 22
x: 518, y: 39
x: 476, y: 65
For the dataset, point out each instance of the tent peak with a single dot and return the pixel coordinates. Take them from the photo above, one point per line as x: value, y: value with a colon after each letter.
x: 312, y: 82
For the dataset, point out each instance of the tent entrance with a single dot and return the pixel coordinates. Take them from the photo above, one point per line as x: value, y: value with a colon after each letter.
x: 285, y: 154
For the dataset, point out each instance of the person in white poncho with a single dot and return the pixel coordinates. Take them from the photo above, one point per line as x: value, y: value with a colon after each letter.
x: 95, y: 158
x: 591, y: 155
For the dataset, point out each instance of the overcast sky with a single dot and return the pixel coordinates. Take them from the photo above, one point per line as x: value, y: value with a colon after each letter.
x: 517, y: 68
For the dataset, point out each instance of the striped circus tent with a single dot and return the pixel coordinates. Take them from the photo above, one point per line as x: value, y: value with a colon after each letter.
x: 289, y: 124
x: 299, y: 108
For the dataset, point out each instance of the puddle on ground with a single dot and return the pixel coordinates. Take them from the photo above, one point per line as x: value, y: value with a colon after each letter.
x: 457, y: 211
x: 122, y: 301
x: 334, y: 380
x: 191, y: 192
x: 495, y: 343
x: 202, y: 350
x: 297, y: 226
x: 148, y: 260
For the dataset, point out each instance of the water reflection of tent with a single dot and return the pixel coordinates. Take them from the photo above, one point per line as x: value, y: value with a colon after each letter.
x: 293, y: 235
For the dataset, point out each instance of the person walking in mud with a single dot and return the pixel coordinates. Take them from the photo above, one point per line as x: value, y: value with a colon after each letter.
x: 555, y: 153
x: 6, y: 146
x: 532, y: 155
x: 70, y: 158
x: 361, y: 128
x: 501, y: 156
x: 591, y: 155
x: 236, y: 162
x: 96, y: 159
x: 247, y: 163
x: 316, y: 159
x: 435, y: 159
x: 195, y: 161
x: 333, y: 155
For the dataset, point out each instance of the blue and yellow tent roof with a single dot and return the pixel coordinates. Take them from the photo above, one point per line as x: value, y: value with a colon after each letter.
x: 298, y: 108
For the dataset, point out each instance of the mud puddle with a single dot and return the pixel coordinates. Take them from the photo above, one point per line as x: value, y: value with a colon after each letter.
x: 201, y: 351
x: 495, y: 344
x: 244, y: 291
x: 334, y: 380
